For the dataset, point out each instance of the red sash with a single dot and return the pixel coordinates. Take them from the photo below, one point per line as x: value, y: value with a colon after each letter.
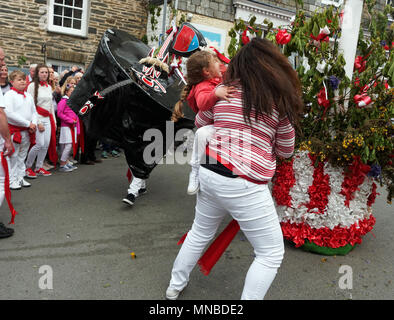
x: 17, y: 134
x: 7, y: 191
x: 52, y: 153
x: 216, y: 249
x: 74, y: 143
x: 81, y: 137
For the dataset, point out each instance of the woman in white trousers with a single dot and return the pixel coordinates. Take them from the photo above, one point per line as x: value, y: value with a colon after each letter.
x: 251, y: 129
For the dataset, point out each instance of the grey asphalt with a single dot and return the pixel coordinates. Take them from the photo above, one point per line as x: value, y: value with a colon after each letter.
x: 77, y: 224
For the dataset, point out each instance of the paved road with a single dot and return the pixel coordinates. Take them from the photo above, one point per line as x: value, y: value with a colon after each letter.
x: 77, y: 224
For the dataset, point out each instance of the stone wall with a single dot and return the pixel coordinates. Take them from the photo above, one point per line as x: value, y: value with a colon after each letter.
x: 22, y: 32
x: 219, y: 9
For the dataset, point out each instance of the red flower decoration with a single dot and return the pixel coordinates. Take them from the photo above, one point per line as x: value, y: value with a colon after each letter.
x: 372, y: 196
x: 245, y: 39
x: 282, y: 37
x: 284, y: 180
x: 360, y: 64
x: 354, y: 177
x: 320, y: 188
x: 326, y: 237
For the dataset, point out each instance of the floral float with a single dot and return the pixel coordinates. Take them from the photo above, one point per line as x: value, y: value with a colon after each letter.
x: 325, y: 192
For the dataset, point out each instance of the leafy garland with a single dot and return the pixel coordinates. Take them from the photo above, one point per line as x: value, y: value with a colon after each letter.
x: 342, y: 120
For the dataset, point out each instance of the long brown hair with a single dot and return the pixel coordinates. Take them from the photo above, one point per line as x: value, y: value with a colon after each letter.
x: 36, y: 80
x: 267, y: 80
x: 194, y: 66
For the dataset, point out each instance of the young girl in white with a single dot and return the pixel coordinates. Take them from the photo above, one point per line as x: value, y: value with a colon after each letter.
x: 46, y: 127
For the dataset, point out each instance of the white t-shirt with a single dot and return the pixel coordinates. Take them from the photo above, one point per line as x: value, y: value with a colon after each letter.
x: 1, y: 100
x: 44, y: 100
x: 20, y: 110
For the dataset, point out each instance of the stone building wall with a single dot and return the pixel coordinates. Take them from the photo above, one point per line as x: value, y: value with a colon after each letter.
x: 22, y: 31
x: 218, y: 9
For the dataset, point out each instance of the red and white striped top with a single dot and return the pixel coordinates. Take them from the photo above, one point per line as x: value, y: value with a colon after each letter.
x: 249, y: 150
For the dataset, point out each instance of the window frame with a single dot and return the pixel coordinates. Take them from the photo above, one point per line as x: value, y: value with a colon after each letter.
x: 83, y: 32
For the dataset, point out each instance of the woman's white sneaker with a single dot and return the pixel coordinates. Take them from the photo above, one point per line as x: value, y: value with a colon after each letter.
x: 172, y: 294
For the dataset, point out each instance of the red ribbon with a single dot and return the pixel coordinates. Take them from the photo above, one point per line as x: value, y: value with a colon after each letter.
x: 220, y: 56
x: 44, y: 83
x: 16, y: 131
x: 20, y: 92
x: 322, y: 100
x: 362, y: 100
x: 7, y: 191
x: 321, y: 37
x: 52, y: 153
x: 283, y: 37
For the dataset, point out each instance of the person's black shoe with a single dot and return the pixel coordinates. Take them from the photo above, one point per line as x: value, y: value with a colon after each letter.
x: 129, y: 199
x: 142, y: 191
x: 5, y: 232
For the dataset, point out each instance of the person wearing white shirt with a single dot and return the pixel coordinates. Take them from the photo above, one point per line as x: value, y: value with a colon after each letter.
x: 22, y: 121
x: 46, y: 124
x: 6, y: 148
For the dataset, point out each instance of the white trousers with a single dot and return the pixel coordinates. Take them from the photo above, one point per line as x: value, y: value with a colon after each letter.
x: 2, y: 177
x: 40, y: 149
x: 16, y: 162
x: 65, y: 151
x: 252, y: 206
x: 201, y: 139
x: 135, y: 185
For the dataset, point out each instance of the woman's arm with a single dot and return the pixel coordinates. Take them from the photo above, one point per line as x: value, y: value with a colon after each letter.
x: 284, y: 139
x: 205, y: 97
x: 203, y: 118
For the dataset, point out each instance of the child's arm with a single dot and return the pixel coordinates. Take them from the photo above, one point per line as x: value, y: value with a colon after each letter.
x: 15, y: 117
x: 62, y: 115
x: 205, y: 97
x: 284, y: 139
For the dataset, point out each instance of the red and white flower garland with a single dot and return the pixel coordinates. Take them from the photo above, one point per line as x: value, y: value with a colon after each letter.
x: 322, y: 204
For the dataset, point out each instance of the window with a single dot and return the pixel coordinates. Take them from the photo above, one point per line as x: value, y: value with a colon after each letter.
x: 68, y: 16
x: 60, y: 66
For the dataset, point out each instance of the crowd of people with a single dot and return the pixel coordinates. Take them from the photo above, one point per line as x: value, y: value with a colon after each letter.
x: 39, y: 131
x: 259, y: 94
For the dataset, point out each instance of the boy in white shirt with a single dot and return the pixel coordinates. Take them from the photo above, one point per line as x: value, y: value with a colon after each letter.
x: 22, y: 120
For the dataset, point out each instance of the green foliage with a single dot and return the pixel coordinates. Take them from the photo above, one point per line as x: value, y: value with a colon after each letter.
x: 21, y: 61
